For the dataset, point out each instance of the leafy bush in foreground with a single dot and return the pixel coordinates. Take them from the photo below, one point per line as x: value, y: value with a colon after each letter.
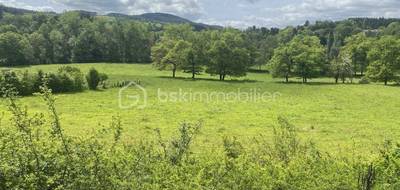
x: 66, y: 79
x: 94, y: 78
x: 37, y: 154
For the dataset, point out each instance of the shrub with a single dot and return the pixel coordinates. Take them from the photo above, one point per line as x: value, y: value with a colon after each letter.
x: 67, y: 79
x: 39, y: 80
x: 364, y: 80
x: 94, y: 78
x: 27, y: 83
x: 10, y: 81
x: 72, y: 79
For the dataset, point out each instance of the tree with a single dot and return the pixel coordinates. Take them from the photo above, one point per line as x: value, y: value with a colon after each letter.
x: 228, y: 56
x: 392, y: 29
x: 286, y: 35
x: 357, y: 47
x: 174, y: 58
x: 94, y: 78
x: 60, y: 52
x: 197, y: 54
x: 282, y: 63
x: 266, y: 50
x: 342, y: 68
x: 136, y: 44
x: 159, y: 51
x: 15, y: 49
x: 308, y: 56
x: 384, y: 59
x: 178, y: 32
x: 302, y: 57
x: 8, y: 28
x: 39, y: 47
x: 86, y: 46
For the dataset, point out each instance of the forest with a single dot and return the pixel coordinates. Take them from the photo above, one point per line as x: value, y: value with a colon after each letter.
x: 342, y: 50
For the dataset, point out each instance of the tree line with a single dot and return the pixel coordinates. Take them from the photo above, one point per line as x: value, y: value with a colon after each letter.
x: 65, y: 79
x: 222, y: 53
x: 44, y: 38
x: 341, y: 50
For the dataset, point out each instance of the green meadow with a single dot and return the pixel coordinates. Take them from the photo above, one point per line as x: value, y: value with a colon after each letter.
x: 344, y: 118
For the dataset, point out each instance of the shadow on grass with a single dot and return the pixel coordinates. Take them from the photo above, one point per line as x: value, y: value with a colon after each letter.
x: 316, y: 83
x: 259, y: 71
x: 393, y: 85
x: 7, y: 68
x: 209, y: 79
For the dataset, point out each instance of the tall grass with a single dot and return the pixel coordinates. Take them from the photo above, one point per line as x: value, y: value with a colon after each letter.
x: 35, y: 153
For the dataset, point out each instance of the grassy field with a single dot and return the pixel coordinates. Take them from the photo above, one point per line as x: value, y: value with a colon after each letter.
x: 338, y: 118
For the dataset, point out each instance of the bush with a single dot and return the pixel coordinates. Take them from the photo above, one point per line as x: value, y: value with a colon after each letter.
x: 9, y: 81
x: 364, y: 80
x: 94, y: 78
x: 71, y: 78
x: 67, y: 79
x: 20, y: 84
x: 27, y: 83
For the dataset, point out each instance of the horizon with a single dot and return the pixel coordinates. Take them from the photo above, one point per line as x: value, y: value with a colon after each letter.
x: 234, y: 13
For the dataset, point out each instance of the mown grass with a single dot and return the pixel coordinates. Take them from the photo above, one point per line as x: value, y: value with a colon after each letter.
x: 339, y: 118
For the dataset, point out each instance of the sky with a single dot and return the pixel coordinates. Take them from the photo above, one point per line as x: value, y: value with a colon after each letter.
x: 234, y: 13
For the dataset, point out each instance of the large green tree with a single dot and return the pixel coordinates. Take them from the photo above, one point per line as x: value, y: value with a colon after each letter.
x: 15, y: 49
x: 197, y: 54
x: 357, y: 47
x: 384, y: 59
x: 39, y: 46
x: 228, y: 56
x: 282, y: 63
x: 341, y: 67
x: 172, y: 55
x: 309, y: 57
x: 303, y: 57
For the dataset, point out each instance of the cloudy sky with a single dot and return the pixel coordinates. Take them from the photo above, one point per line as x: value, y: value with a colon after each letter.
x: 236, y: 13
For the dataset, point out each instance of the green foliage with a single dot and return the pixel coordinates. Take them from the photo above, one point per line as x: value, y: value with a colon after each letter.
x: 302, y: 57
x: 341, y: 68
x: 72, y: 79
x: 175, y: 51
x: 44, y: 38
x: 282, y: 63
x: 15, y: 49
x: 228, y: 56
x: 384, y: 59
x: 94, y: 78
x: 357, y: 48
x: 392, y: 29
x: 66, y: 79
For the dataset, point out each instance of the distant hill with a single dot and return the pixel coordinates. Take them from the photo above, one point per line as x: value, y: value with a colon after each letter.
x: 161, y: 18
x: 15, y: 11
x: 164, y: 18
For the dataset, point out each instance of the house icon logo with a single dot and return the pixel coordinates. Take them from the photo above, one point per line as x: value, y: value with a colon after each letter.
x: 132, y: 95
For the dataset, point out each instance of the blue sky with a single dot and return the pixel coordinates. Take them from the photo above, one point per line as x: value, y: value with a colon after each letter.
x: 236, y: 13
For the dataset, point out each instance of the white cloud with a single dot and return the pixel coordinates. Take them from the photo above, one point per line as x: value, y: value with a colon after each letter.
x: 186, y: 8
x: 19, y: 4
x: 235, y: 13
x: 296, y: 12
x: 338, y: 9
